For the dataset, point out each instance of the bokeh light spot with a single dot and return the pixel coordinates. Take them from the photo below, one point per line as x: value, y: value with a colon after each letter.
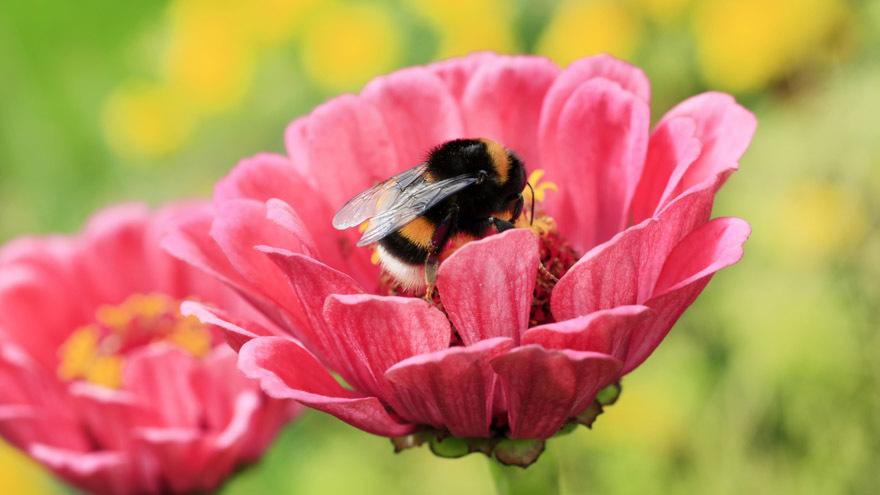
x: 345, y: 45
x: 143, y: 120
x: 743, y: 45
x: 582, y: 28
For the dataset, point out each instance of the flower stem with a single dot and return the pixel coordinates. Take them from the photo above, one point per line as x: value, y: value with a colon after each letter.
x: 541, y: 477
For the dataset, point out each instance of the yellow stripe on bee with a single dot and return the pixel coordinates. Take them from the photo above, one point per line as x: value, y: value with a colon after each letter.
x: 500, y: 158
x: 419, y: 232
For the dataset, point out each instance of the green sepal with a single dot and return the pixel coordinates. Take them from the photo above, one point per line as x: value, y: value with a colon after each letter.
x: 410, y: 441
x: 587, y: 417
x: 609, y: 394
x: 521, y: 453
x: 449, y: 446
x: 567, y: 428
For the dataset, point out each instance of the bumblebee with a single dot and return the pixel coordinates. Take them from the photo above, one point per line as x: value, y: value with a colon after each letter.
x: 466, y: 187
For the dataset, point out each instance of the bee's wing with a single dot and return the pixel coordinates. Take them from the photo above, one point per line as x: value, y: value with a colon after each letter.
x: 367, y: 204
x: 411, y: 203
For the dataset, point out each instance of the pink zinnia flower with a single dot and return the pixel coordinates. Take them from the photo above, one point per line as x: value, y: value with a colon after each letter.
x: 505, y: 351
x: 104, y: 381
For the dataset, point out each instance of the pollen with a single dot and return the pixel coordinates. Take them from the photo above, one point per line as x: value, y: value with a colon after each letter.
x: 96, y: 352
x: 540, y: 187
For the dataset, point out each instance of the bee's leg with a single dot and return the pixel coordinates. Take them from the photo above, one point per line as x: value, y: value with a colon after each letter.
x: 501, y: 225
x: 517, y: 207
x: 438, y: 241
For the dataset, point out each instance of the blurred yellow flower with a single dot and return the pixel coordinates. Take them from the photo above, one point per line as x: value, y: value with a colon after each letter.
x: 743, y: 45
x: 814, y: 221
x: 585, y: 27
x: 210, y: 54
x: 464, y: 26
x: 146, y: 120
x: 21, y: 476
x: 275, y: 21
x: 207, y: 66
x: 345, y: 45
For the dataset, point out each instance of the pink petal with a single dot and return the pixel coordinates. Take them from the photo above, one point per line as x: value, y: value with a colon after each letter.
x: 239, y: 226
x: 287, y: 371
x: 612, y: 274
x: 218, y: 384
x: 108, y: 415
x: 32, y: 298
x: 179, y: 455
x: 311, y: 222
x: 544, y: 388
x: 260, y: 177
x: 671, y: 150
x: 372, y: 333
x: 418, y: 110
x: 287, y: 218
x: 105, y: 472
x: 458, y: 382
x: 725, y: 130
x: 350, y: 148
x: 606, y: 331
x: 625, y: 269
x: 188, y: 239
x: 503, y: 102
x: 192, y: 460
x: 162, y: 375
x: 597, y: 147
x: 236, y: 330
x: 486, y: 286
x: 688, y: 269
x: 114, y: 242
x: 312, y: 282
x: 22, y: 425
x: 297, y: 146
x: 170, y: 275
x: 457, y: 72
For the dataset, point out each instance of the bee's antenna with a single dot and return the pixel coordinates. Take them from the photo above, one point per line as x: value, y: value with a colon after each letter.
x: 532, y: 217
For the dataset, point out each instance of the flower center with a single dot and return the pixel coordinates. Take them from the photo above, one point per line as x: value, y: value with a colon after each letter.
x: 557, y: 256
x: 96, y: 352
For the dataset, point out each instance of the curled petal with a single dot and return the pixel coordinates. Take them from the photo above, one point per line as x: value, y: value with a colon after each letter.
x: 287, y: 371
x: 312, y: 282
x: 486, y: 286
x: 725, y: 130
x: 606, y: 331
x: 672, y: 149
x: 687, y: 271
x: 458, y: 382
x: 544, y: 388
x: 104, y: 473
x: 372, y: 333
x: 237, y: 331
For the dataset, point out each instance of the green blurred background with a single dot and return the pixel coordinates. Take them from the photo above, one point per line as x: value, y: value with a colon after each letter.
x: 768, y: 384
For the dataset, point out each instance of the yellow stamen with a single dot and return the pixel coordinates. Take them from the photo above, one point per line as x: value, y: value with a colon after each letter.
x: 374, y: 258
x: 78, y: 353
x: 105, y: 371
x: 191, y: 336
x: 96, y: 352
x: 535, y: 181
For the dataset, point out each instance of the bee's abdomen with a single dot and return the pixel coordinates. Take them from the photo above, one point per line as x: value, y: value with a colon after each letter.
x: 408, y: 246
